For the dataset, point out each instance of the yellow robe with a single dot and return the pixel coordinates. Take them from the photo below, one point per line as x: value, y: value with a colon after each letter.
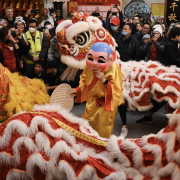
x: 102, y: 100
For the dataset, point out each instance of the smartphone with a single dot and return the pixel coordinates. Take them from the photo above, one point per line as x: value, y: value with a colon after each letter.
x: 114, y: 13
x: 51, y: 11
x: 34, y: 11
x: 116, y: 5
x: 96, y: 14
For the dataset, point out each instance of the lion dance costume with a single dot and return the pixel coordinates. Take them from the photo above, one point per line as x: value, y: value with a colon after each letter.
x: 19, y: 93
x: 49, y: 143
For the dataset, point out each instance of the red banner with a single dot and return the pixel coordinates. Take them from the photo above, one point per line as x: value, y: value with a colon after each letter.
x: 97, y: 2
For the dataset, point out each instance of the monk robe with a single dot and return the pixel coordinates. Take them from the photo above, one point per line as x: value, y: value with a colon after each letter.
x: 102, y: 100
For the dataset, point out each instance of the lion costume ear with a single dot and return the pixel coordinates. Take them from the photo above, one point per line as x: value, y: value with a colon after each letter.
x: 94, y: 23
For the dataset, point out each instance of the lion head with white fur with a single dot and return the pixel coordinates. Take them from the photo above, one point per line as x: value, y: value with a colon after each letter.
x: 76, y: 36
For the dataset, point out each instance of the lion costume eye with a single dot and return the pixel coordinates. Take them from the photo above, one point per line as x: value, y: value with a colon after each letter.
x: 82, y: 38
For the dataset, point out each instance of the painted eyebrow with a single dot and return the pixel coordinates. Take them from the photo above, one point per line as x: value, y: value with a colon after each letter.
x: 102, y: 57
x: 90, y: 55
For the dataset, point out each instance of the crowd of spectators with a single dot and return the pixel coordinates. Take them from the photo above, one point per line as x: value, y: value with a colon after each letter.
x: 24, y: 43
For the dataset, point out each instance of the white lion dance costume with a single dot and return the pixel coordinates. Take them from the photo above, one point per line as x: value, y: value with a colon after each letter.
x: 49, y: 143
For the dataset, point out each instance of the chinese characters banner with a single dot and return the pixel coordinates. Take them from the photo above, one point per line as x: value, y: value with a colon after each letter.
x: 172, y: 11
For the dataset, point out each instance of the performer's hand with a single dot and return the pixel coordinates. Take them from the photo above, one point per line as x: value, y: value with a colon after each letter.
x: 73, y: 92
x: 100, y: 76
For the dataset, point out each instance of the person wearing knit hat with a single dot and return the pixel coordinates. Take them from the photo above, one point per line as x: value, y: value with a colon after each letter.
x: 155, y: 46
x: 155, y: 52
x: 156, y: 26
x: 159, y: 29
x: 146, y: 36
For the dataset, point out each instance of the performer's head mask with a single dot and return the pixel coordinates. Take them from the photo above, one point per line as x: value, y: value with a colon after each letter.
x: 99, y: 57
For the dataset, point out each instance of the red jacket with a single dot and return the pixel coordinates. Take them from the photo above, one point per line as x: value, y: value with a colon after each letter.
x: 9, y: 58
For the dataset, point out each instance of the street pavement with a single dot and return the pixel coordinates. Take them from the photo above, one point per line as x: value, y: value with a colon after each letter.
x: 135, y: 130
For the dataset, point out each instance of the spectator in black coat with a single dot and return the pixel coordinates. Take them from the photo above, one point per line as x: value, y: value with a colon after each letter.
x: 128, y: 47
x: 155, y: 46
x: 139, y: 35
x: 114, y: 30
x: 171, y: 51
x: 39, y: 72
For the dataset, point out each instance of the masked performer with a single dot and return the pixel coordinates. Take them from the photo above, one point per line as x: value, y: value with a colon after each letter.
x: 101, y: 86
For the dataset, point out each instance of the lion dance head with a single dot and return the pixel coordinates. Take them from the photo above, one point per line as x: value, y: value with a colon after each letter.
x: 75, y: 37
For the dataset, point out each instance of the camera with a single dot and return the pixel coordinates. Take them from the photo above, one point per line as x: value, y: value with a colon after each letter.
x: 51, y: 11
x: 34, y: 11
x: 116, y: 5
x: 114, y: 13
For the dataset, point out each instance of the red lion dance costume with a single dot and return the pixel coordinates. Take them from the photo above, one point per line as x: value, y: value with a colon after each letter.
x: 49, y: 143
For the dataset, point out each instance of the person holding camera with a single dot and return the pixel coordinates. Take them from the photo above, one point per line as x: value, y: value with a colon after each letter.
x: 111, y: 15
x: 9, y: 15
x: 38, y: 47
x: 113, y: 23
x: 155, y: 46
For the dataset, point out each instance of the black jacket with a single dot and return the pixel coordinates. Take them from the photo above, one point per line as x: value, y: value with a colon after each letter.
x: 138, y: 37
x: 160, y: 49
x: 128, y: 49
x: 1, y: 57
x: 114, y: 34
x: 171, y: 53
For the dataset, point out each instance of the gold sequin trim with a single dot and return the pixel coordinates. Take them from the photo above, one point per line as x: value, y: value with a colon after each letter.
x: 76, y: 133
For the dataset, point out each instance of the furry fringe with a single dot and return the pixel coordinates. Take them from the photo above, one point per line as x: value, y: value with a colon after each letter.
x: 69, y: 74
